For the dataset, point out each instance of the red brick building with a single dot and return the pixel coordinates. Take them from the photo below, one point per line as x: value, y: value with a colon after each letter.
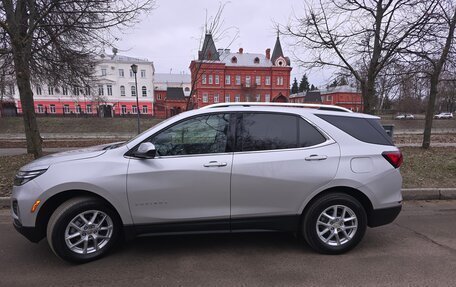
x: 171, y: 93
x: 221, y: 76
x: 344, y: 96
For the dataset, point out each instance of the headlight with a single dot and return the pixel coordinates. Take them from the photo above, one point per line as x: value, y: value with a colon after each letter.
x: 23, y: 177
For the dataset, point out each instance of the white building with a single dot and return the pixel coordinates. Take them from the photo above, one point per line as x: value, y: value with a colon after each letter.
x: 112, y: 94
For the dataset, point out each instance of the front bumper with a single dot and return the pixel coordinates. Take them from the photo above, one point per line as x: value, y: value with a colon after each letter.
x: 378, y: 217
x: 31, y: 233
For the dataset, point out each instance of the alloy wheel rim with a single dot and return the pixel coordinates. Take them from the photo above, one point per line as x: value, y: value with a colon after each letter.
x: 337, y: 225
x: 88, y: 232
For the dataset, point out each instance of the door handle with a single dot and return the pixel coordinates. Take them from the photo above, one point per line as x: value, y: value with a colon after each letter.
x: 215, y: 164
x: 316, y: 157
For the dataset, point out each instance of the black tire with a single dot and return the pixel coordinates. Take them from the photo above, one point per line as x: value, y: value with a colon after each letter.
x: 326, y: 203
x: 67, y: 212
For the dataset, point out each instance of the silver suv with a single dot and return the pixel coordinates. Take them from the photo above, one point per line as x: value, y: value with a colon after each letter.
x: 324, y: 173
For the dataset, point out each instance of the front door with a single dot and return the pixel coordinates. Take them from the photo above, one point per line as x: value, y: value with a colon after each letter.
x: 189, y: 179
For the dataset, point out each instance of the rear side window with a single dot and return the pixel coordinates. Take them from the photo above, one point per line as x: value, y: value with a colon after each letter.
x: 308, y: 135
x: 262, y: 131
x: 268, y: 131
x: 366, y: 130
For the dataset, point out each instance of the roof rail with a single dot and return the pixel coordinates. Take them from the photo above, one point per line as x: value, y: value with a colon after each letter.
x: 248, y: 104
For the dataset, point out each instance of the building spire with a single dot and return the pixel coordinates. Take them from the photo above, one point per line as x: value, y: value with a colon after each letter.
x: 277, y: 52
x: 208, y: 50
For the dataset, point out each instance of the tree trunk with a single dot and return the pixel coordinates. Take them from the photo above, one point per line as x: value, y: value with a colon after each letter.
x: 430, y: 110
x: 368, y: 93
x: 32, y: 134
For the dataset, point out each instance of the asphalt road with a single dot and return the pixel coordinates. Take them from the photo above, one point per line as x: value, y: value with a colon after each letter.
x: 418, y: 249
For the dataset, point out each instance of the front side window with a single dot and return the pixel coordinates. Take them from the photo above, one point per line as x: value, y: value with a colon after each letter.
x: 200, y: 135
x: 266, y: 131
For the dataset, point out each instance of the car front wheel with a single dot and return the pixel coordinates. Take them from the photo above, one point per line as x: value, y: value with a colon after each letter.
x: 82, y: 229
x: 334, y: 223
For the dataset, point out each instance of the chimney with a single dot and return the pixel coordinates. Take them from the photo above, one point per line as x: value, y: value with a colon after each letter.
x: 268, y: 53
x: 241, y: 50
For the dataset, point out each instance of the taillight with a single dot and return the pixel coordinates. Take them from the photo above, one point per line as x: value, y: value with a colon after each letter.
x: 395, y: 158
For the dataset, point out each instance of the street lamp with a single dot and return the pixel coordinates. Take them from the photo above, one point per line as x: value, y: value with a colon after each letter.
x: 134, y: 68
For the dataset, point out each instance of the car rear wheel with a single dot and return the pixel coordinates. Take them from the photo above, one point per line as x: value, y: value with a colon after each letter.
x: 82, y: 229
x: 334, y: 223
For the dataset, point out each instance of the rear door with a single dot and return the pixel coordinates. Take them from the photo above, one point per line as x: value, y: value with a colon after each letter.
x: 280, y: 159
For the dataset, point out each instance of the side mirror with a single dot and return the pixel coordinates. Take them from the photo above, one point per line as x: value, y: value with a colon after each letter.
x: 146, y: 150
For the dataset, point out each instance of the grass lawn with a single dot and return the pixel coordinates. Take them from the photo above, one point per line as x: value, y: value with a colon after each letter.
x: 435, y: 167
x: 78, y: 125
x: 123, y: 125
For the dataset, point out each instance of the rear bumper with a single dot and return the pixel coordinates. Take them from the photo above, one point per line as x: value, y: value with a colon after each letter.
x: 378, y: 217
x: 31, y: 233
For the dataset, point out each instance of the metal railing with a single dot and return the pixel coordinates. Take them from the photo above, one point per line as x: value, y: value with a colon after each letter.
x: 297, y: 105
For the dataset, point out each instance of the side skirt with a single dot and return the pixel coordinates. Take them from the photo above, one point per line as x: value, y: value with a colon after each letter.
x: 288, y: 223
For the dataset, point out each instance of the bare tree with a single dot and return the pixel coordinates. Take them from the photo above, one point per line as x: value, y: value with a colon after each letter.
x: 214, y: 27
x: 54, y: 40
x: 361, y: 37
x: 431, y: 51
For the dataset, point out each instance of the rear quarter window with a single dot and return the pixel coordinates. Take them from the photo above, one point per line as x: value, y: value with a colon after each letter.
x: 365, y: 130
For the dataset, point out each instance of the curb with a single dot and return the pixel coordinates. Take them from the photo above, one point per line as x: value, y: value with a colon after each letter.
x: 407, y: 194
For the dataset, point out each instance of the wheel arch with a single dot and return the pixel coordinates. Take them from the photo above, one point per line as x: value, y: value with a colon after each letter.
x: 355, y: 193
x: 52, y: 203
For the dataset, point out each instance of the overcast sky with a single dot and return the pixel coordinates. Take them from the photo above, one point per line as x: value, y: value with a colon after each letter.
x: 170, y: 35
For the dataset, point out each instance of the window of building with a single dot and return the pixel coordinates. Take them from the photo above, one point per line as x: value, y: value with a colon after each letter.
x: 121, y: 73
x: 187, y: 89
x: 227, y: 98
x: 258, y: 80
x: 258, y: 98
x: 329, y: 98
x: 50, y: 90
x: 40, y: 109
x: 144, y: 109
x: 122, y: 91
x: 205, y: 98
x: 131, y: 73
x: 203, y: 79
x: 100, y: 90
x: 12, y: 90
x: 77, y: 109
x: 237, y: 98
x: 216, y: 98
x: 227, y: 80
x: 200, y: 135
x: 159, y: 97
x: 256, y: 60
x: 247, y: 81
x: 66, y: 109
x: 109, y: 89
x: 234, y: 60
x: 267, y: 81
x: 89, y: 109
x: 134, y: 110
x: 133, y: 91
x: 87, y: 90
x: 279, y: 81
x: 143, y: 73
x: 210, y: 80
x: 38, y: 90
x: 124, y: 109
x: 65, y: 90
x: 103, y: 72
x: 238, y: 80
x: 52, y: 109
x: 144, y: 91
x: 217, y: 79
x: 76, y: 91
x: 267, y: 98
